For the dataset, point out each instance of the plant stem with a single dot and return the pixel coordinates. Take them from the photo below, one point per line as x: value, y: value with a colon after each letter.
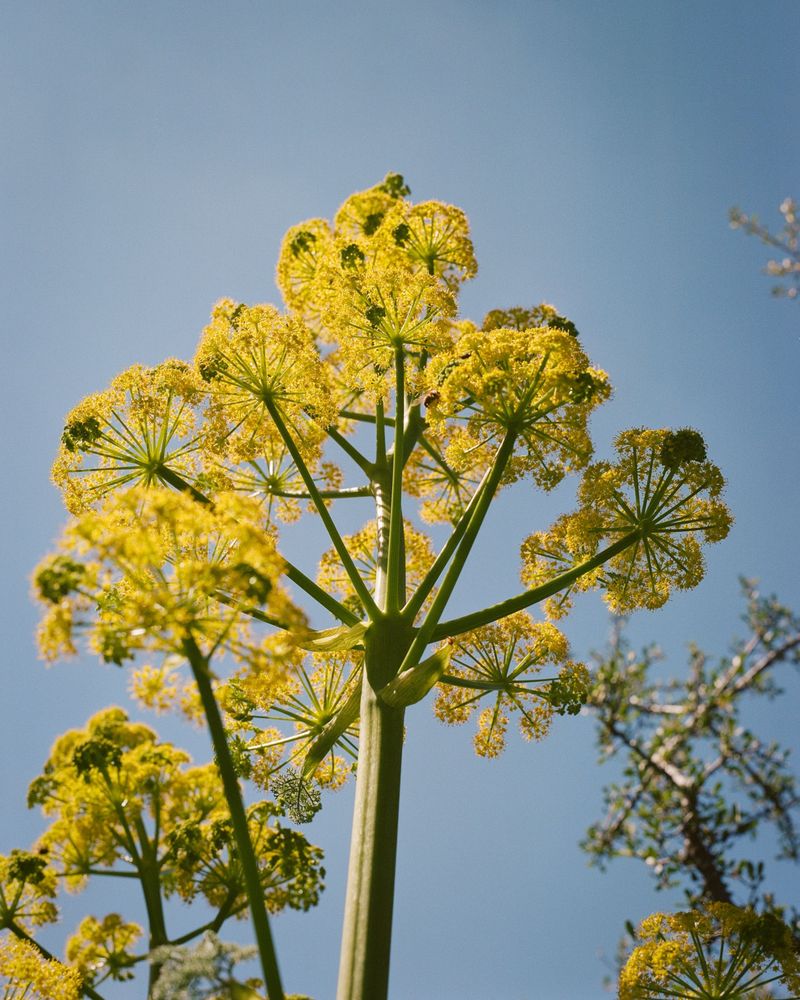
x: 366, y: 935
x: 244, y: 845
x: 455, y: 626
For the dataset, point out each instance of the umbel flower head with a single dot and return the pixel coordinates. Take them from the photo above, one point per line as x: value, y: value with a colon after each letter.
x: 501, y: 663
x: 536, y: 383
x: 141, y: 430
x: 153, y: 569
x: 659, y: 500
x: 722, y: 952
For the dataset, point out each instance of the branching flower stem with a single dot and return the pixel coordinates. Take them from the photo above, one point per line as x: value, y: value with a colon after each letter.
x: 528, y: 598
x: 244, y: 845
x: 347, y: 562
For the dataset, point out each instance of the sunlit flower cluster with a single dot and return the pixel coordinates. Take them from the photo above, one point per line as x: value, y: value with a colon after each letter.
x: 26, y: 973
x: 154, y: 568
x: 722, y: 952
x: 660, y: 500
x: 501, y: 663
x: 536, y: 383
x: 141, y: 430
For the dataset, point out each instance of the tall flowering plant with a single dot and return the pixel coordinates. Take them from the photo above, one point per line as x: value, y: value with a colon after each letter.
x: 367, y: 388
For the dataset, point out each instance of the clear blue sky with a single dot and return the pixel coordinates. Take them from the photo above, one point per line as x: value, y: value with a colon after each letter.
x: 153, y: 155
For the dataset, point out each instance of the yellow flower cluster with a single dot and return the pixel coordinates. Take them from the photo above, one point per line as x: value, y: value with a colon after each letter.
x: 502, y: 661
x: 102, y: 948
x: 444, y: 491
x: 381, y: 279
x: 306, y: 701
x: 141, y: 431
x: 27, y: 890
x: 363, y: 548
x: 663, y: 496
x: 25, y: 972
x: 152, y: 569
x: 255, y: 361
x: 721, y: 951
x: 536, y: 384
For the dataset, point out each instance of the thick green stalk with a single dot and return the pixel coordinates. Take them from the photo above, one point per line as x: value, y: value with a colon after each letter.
x: 367, y: 930
x: 244, y: 845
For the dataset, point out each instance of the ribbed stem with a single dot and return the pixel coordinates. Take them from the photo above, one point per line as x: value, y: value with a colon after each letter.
x: 366, y: 935
x: 241, y: 832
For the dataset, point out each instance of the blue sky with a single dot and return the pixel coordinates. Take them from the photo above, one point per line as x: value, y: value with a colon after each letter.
x: 153, y: 155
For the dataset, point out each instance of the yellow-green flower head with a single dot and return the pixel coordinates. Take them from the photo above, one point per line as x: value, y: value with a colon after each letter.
x: 101, y: 949
x: 444, y: 490
x: 303, y: 249
x: 373, y: 306
x: 722, y: 952
x: 319, y: 690
x: 663, y: 489
x: 27, y: 890
x: 258, y: 363
x: 141, y: 431
x: 363, y: 548
x: 158, y: 568
x: 547, y: 554
x: 517, y: 318
x: 502, y: 662
x: 535, y: 383
x: 25, y: 972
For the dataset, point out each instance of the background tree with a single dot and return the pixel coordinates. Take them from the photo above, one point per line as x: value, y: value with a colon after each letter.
x: 698, y: 783
x: 786, y: 241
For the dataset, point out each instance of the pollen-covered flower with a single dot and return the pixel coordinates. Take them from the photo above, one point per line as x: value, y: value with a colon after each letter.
x: 304, y: 247
x: 258, y: 363
x: 141, y: 431
x: 153, y: 568
x: 501, y: 662
x: 443, y: 489
x: 663, y: 488
x: 723, y: 952
x: 536, y: 384
x: 25, y: 972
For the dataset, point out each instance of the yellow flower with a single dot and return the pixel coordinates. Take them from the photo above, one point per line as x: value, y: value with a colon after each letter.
x: 502, y: 661
x: 100, y: 949
x: 153, y: 568
x: 141, y: 431
x: 25, y: 972
x: 722, y: 951
x: 27, y: 890
x: 255, y: 360
x: 536, y: 383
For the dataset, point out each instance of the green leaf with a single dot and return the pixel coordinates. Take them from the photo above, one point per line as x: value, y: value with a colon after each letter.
x: 412, y: 685
x: 331, y: 640
x: 324, y: 743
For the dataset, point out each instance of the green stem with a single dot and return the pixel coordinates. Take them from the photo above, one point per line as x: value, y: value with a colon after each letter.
x: 333, y: 532
x: 429, y: 580
x: 244, y: 845
x: 486, y: 493
x: 395, y: 595
x: 455, y: 626
x: 298, y: 577
x: 367, y: 930
x: 349, y: 449
x: 17, y: 931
